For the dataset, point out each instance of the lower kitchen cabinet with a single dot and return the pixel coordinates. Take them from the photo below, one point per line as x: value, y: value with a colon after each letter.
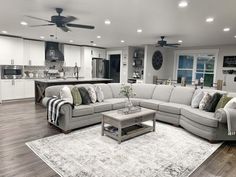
x: 17, y: 89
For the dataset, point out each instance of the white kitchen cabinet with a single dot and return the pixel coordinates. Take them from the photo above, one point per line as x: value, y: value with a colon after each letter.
x: 12, y: 89
x: 72, y: 55
x: 11, y: 52
x: 86, y: 62
x: 33, y: 53
x: 28, y: 88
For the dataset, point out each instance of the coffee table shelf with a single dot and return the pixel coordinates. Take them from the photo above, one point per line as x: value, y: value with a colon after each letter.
x: 127, y: 125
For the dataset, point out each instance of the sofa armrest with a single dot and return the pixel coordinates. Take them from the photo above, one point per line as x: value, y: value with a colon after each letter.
x: 221, y: 115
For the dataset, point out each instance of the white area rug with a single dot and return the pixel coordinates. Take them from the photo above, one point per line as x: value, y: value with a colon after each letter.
x: 168, y: 152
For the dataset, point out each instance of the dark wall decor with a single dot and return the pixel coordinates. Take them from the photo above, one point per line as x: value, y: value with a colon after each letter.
x: 157, y: 60
x: 229, y: 61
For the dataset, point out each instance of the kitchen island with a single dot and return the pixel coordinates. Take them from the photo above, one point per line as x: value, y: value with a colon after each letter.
x: 40, y: 85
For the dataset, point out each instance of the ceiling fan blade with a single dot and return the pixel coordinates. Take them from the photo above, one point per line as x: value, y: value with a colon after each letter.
x: 36, y: 18
x: 51, y: 24
x: 80, y: 26
x: 173, y: 44
x: 69, y: 19
x: 64, y: 28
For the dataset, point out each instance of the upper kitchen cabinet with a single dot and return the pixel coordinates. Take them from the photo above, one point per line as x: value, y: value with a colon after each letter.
x: 11, y: 52
x: 34, y: 53
x: 98, y: 53
x: 72, y: 55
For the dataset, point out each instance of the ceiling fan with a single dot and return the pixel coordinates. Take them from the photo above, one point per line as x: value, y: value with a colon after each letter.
x: 61, y: 22
x: 163, y: 43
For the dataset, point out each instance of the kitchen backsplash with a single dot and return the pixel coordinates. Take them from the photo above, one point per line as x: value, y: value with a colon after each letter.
x: 38, y: 71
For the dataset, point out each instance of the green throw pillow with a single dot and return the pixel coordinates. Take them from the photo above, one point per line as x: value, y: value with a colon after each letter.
x: 223, y: 101
x: 77, y: 100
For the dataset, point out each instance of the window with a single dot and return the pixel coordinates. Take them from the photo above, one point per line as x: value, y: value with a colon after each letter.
x: 193, y: 66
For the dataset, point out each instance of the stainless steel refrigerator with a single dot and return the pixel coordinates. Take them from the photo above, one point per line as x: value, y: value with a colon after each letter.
x: 100, y: 68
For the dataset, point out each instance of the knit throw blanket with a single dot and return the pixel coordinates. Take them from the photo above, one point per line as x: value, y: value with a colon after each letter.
x: 231, y: 121
x: 54, y: 105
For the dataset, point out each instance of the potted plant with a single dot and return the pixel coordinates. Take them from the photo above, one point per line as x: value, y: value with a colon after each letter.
x: 127, y: 91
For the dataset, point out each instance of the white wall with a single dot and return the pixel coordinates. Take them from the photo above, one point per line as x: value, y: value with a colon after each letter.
x: 166, y: 71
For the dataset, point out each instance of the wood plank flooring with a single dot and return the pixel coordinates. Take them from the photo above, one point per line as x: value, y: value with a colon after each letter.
x: 24, y: 121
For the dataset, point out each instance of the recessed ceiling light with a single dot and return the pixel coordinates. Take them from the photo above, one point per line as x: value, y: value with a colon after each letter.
x: 139, y: 30
x: 180, y: 41
x: 226, y: 29
x: 42, y: 37
x: 183, y: 4
x: 71, y: 41
x: 98, y: 37
x: 122, y: 41
x: 235, y: 36
x: 24, y: 23
x: 210, y: 19
x: 4, y: 32
x: 94, y: 44
x: 107, y: 22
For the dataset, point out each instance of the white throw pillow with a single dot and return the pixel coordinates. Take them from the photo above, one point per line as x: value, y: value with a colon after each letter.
x: 92, y: 94
x: 197, y: 97
x: 205, y: 100
x: 65, y: 94
x: 231, y: 104
x: 99, y: 93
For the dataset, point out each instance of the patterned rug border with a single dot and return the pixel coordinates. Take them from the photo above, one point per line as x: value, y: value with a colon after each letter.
x: 44, y: 159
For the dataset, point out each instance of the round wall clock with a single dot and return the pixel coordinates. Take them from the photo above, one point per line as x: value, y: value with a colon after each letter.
x: 157, y: 60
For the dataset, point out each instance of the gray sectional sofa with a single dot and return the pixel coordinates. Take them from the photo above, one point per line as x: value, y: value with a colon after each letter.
x: 171, y: 103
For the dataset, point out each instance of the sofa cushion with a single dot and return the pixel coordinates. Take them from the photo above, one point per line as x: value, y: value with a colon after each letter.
x: 162, y: 92
x: 173, y: 108
x: 197, y: 97
x: 55, y: 90
x: 92, y: 94
x: 77, y: 100
x: 223, y: 101
x: 84, y: 95
x: 182, y: 95
x: 117, y: 103
x: 82, y: 110
x: 101, y: 107
x: 65, y: 94
x: 205, y: 100
x: 144, y: 91
x: 106, y: 89
x: 151, y: 104
x: 213, y: 102
x: 99, y: 93
x: 115, y: 88
x: 200, y: 116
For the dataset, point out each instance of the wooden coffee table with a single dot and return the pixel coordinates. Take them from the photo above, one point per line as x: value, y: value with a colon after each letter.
x: 126, y: 126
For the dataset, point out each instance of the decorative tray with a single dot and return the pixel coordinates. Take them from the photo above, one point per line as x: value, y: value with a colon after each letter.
x: 131, y: 110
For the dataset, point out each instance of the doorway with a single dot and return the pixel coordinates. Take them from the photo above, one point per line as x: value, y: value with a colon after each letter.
x: 115, y: 67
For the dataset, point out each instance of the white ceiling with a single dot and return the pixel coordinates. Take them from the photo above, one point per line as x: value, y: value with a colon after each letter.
x: 155, y: 17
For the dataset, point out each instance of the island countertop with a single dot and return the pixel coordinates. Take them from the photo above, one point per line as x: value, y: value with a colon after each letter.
x: 40, y: 85
x: 74, y: 80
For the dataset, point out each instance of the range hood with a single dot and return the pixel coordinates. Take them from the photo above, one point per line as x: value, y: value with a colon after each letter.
x: 54, y: 51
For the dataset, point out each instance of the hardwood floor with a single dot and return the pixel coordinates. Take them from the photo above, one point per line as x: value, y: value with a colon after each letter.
x: 24, y: 121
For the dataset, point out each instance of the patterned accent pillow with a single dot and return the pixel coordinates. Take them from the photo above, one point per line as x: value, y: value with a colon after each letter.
x: 65, y: 94
x: 197, y: 97
x: 77, y: 100
x: 99, y: 93
x: 92, y: 94
x: 84, y: 95
x: 205, y: 100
